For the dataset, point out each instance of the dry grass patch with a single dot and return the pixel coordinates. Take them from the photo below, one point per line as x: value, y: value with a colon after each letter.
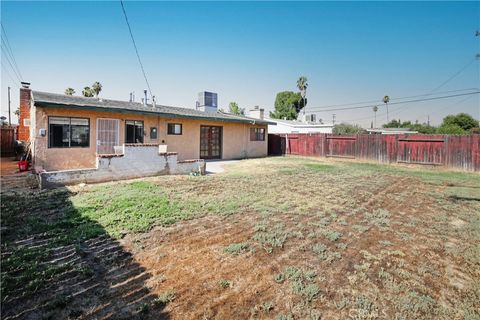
x: 285, y: 238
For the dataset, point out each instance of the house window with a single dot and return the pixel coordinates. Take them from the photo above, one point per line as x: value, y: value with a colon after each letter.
x: 257, y: 134
x: 153, y: 133
x: 133, y: 131
x: 68, y: 132
x: 175, y: 128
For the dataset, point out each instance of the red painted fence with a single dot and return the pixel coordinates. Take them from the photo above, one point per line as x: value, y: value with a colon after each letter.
x: 461, y: 152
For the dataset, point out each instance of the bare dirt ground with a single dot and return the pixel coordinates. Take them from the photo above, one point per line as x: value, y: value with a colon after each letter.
x: 276, y: 238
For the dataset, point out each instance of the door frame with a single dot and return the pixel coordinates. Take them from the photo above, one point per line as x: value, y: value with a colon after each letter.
x: 117, y: 142
x: 220, y: 156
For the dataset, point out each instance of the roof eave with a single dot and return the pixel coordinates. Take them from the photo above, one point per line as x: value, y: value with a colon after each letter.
x: 47, y: 104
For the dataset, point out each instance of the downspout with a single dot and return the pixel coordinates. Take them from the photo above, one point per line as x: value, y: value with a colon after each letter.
x: 245, y: 141
x: 33, y: 129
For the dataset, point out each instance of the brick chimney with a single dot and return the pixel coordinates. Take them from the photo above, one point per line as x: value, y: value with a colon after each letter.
x: 24, y: 117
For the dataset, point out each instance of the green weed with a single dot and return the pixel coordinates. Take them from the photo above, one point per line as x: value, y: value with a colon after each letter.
x: 302, y: 282
x: 379, y: 218
x: 332, y: 235
x: 165, y: 298
x: 270, y: 239
x: 236, y: 248
x: 224, y: 283
x: 319, y: 248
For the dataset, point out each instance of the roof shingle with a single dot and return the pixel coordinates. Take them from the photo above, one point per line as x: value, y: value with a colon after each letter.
x: 46, y: 99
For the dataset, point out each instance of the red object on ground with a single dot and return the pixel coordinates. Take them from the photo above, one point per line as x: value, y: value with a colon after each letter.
x: 22, y: 165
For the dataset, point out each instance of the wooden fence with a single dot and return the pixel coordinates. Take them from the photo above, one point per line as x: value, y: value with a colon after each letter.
x: 461, y: 152
x: 7, y: 141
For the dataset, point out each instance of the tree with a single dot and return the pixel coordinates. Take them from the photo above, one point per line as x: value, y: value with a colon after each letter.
x: 451, y: 129
x: 393, y: 124
x: 233, y: 108
x: 302, y: 84
x: 386, y: 100
x: 375, y: 109
x: 87, y: 92
x: 345, y: 128
x: 420, y: 127
x: 287, y: 105
x: 462, y: 120
x: 96, y: 88
x: 69, y: 91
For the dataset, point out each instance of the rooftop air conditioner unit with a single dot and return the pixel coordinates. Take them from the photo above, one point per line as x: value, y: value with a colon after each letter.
x: 207, y: 101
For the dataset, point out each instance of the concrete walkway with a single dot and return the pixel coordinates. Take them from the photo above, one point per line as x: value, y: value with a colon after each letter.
x: 217, y: 166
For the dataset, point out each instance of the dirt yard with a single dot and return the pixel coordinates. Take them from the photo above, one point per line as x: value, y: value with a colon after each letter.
x: 275, y: 238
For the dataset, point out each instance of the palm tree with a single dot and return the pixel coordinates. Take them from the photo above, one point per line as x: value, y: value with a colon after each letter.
x: 69, y: 91
x: 375, y: 109
x: 96, y: 88
x: 302, y: 85
x: 386, y: 100
x: 87, y: 92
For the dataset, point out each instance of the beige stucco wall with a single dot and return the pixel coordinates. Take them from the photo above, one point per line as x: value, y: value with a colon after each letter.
x: 236, y: 142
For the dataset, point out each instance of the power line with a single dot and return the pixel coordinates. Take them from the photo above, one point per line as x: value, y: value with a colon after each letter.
x: 453, y: 76
x: 8, y: 73
x: 378, y: 102
x: 11, y: 66
x: 9, y: 48
x: 436, y: 98
x: 456, y: 104
x: 395, y: 111
x: 385, y: 113
x: 136, y: 49
x: 10, y: 57
x: 401, y: 102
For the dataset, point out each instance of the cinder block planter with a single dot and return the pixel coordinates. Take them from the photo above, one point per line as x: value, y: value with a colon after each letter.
x: 129, y: 161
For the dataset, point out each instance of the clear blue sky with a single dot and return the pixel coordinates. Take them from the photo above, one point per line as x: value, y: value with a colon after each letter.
x: 249, y: 51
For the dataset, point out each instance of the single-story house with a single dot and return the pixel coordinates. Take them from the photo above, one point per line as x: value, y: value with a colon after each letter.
x: 391, y: 131
x: 279, y: 126
x: 72, y: 132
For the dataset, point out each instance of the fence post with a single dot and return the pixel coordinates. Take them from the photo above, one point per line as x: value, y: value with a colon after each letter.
x: 395, y: 153
x: 446, y: 151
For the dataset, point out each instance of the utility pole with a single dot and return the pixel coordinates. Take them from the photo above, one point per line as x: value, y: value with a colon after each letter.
x: 428, y: 120
x: 333, y: 118
x: 9, y: 113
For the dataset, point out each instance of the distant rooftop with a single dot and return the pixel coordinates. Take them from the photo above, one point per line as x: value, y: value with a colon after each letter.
x: 296, y: 123
x: 46, y: 99
x: 391, y: 130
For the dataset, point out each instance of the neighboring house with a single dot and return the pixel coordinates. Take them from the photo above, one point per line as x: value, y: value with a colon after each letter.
x: 279, y: 126
x: 288, y: 126
x: 391, y: 131
x: 71, y: 132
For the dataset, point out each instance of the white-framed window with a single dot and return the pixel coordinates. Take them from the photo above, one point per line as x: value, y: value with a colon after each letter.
x: 174, y: 128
